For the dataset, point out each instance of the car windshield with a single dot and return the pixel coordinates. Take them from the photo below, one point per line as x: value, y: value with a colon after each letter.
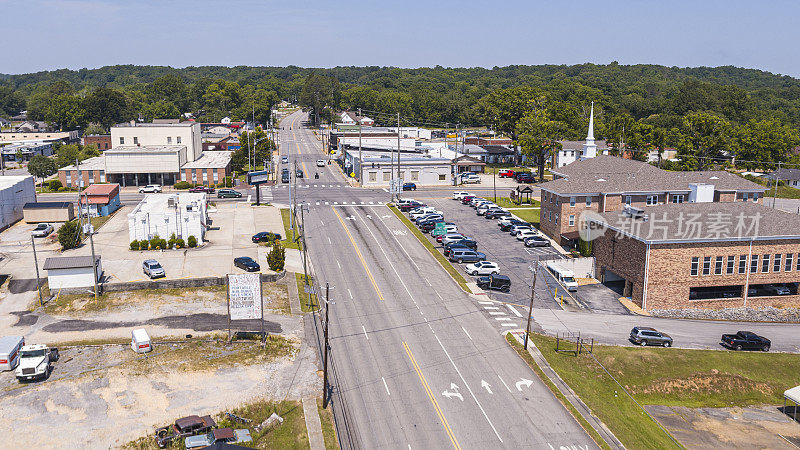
x: 155, y: 265
x: 32, y: 353
x: 568, y: 280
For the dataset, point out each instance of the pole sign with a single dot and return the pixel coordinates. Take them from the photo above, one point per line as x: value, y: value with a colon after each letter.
x: 259, y: 177
x: 244, y: 294
x: 438, y: 230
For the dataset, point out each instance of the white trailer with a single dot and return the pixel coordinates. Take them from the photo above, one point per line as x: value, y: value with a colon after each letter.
x: 9, y: 351
x: 140, y: 341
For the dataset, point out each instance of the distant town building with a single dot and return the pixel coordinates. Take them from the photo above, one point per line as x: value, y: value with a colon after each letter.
x: 101, y: 141
x: 102, y: 199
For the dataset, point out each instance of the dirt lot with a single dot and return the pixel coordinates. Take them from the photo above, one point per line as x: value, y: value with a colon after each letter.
x: 100, y: 397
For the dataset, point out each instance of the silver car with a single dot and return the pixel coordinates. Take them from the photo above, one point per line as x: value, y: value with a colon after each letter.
x: 42, y: 230
x: 650, y: 336
x: 153, y: 269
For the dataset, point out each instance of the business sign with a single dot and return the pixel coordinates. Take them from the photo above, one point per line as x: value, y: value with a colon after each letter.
x: 244, y: 296
x: 438, y: 230
x: 259, y: 177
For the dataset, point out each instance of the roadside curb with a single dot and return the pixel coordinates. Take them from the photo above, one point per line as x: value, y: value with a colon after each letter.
x: 601, y: 428
x: 313, y: 424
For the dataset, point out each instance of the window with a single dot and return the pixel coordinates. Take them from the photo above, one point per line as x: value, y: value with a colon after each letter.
x: 178, y: 139
x: 588, y: 201
x: 789, y: 262
x: 731, y: 263
x: 183, y: 175
x: 707, y: 265
x: 572, y: 201
x: 121, y: 140
x: 442, y: 177
x: 194, y: 176
x: 744, y: 197
x: 69, y: 182
x: 415, y: 175
x: 765, y: 264
x: 556, y: 221
x: 205, y: 176
x: 102, y: 176
x: 754, y: 264
x: 628, y: 200
x: 695, y: 265
x: 169, y: 139
x: 216, y: 176
x: 544, y: 196
x: 652, y: 200
x: 755, y: 197
x: 677, y: 198
x: 776, y: 263
x: 373, y: 176
x: 135, y: 140
x: 572, y: 220
x: 387, y: 176
x: 718, y: 266
x: 798, y: 262
x: 742, y: 263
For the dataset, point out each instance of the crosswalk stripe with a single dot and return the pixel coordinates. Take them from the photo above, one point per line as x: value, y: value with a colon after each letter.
x: 514, y: 310
x: 327, y: 203
x: 491, y: 307
x: 502, y: 318
x: 497, y: 313
x: 508, y: 324
x: 335, y: 203
x: 317, y: 204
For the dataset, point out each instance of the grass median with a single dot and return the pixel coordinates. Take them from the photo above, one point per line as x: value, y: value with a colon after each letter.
x: 308, y: 302
x: 505, y: 202
x: 528, y: 215
x: 287, y: 230
x: 328, y: 428
x: 436, y: 254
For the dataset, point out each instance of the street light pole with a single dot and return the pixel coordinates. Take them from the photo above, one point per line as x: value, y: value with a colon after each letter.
x: 530, y: 308
x: 360, y: 160
x: 325, y: 397
x: 38, y: 279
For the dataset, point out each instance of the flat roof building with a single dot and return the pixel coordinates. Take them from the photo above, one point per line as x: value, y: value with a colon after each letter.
x: 378, y: 171
x: 15, y: 192
x: 163, y: 215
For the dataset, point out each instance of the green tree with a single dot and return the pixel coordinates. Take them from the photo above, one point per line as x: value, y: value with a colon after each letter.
x: 538, y: 137
x: 276, y: 258
x: 260, y: 143
x: 95, y: 128
x: 504, y: 108
x: 107, y: 107
x: 763, y: 143
x: 41, y: 166
x: 703, y: 140
x: 161, y: 109
x: 69, y: 235
x: 321, y: 94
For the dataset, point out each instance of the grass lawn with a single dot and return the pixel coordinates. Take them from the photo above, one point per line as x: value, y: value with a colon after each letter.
x: 308, y: 302
x: 328, y: 428
x: 783, y: 192
x: 672, y: 377
x: 436, y: 253
x: 528, y: 215
x: 287, y: 241
x: 505, y: 202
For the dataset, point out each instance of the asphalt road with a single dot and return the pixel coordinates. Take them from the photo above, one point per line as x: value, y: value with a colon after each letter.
x: 416, y: 364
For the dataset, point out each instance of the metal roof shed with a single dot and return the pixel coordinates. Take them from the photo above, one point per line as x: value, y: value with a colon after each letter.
x: 792, y: 395
x: 67, y: 272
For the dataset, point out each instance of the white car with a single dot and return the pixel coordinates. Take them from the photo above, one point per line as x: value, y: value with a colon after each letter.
x: 150, y: 189
x: 403, y: 201
x: 471, y: 179
x: 417, y: 214
x: 523, y: 234
x: 483, y: 207
x: 459, y: 195
x: 42, y: 230
x: 452, y: 237
x: 450, y: 229
x: 320, y: 163
x: 517, y: 228
x: 482, y: 268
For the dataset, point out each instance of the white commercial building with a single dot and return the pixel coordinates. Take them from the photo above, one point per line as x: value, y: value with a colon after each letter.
x: 15, y: 192
x: 164, y: 214
x: 378, y: 170
x: 68, y: 272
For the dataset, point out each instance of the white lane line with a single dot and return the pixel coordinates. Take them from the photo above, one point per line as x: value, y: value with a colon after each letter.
x: 465, y: 332
x: 389, y: 393
x: 504, y: 383
x: 506, y: 324
x: 429, y: 283
x: 321, y: 222
x: 329, y: 241
x: 514, y: 310
x: 371, y: 203
x: 362, y: 203
x: 340, y: 266
x: 335, y: 203
x: 497, y: 313
x: 315, y: 185
x: 365, y: 332
x: 327, y: 203
x: 317, y: 204
x: 351, y: 294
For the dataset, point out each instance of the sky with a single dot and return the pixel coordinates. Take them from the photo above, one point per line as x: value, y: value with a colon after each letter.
x: 53, y: 34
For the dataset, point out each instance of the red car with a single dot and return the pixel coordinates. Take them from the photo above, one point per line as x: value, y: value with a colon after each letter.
x: 206, y: 189
x: 506, y: 173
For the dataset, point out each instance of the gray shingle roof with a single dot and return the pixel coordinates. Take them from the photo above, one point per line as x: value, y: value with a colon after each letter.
x: 68, y: 262
x: 786, y: 174
x: 703, y: 222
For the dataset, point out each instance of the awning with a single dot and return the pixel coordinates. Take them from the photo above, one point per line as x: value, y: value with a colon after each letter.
x: 571, y: 235
x: 793, y: 394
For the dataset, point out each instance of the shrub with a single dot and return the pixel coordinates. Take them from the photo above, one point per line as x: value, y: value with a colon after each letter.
x: 134, y: 245
x: 192, y: 242
x: 55, y: 185
x: 171, y: 241
x: 154, y: 241
x: 183, y: 185
x: 61, y: 189
x: 179, y: 243
x: 276, y: 258
x: 69, y: 235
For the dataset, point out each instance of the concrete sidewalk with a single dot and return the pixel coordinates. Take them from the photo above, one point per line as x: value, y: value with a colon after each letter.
x: 313, y: 424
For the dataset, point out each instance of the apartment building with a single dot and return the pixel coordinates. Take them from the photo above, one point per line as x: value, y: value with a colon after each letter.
x: 608, y: 183
x: 699, y: 255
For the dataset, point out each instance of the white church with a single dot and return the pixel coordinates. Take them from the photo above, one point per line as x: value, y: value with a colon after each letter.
x: 572, y: 151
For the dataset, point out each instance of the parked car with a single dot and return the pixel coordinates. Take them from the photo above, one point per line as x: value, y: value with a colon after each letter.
x: 466, y: 242
x: 516, y: 229
x: 481, y: 208
x: 184, y: 427
x: 429, y: 216
x: 429, y: 224
x: 777, y: 289
x: 299, y: 173
x: 452, y: 237
x: 153, y: 269
x: 246, y: 263
x: 462, y: 255
x: 320, y: 163
x: 150, y: 189
x: 536, y: 241
x: 222, y: 435
x: 494, y: 213
x: 266, y: 236
x: 284, y: 159
x: 524, y: 234
x: 419, y: 212
x: 228, y: 193
x: 42, y: 230
x: 508, y: 224
x: 649, y: 336
x: 496, y: 282
x: 409, y: 187
x: 448, y: 229
x: 745, y: 340
x: 524, y: 177
x: 477, y: 201
x: 506, y: 173
x: 451, y: 247
x: 206, y: 189
x: 459, y: 195
x: 286, y: 177
x: 471, y: 179
x: 467, y: 199
x: 403, y: 201
x: 482, y: 268
x: 35, y: 362
x: 406, y: 207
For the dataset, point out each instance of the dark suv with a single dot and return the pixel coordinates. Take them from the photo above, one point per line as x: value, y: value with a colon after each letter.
x: 494, y: 281
x: 462, y: 255
x: 524, y: 177
x: 649, y: 336
x: 469, y: 243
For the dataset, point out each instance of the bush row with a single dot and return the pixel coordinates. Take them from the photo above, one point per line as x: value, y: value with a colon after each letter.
x: 157, y: 243
x: 225, y: 183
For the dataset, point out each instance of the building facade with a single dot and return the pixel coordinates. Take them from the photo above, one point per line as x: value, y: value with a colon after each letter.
x: 15, y: 192
x: 377, y: 169
x: 163, y: 215
x: 101, y: 141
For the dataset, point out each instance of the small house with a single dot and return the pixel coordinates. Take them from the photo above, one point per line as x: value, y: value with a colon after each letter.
x: 102, y: 199
x: 69, y: 272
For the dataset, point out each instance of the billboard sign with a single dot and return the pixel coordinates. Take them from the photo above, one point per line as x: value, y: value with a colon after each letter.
x: 261, y: 176
x: 244, y: 296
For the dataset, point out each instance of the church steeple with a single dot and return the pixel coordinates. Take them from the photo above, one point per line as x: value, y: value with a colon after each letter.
x: 589, y: 147
x: 590, y: 136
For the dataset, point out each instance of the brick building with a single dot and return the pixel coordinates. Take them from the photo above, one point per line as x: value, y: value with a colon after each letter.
x: 101, y: 141
x: 700, y: 255
x: 607, y: 183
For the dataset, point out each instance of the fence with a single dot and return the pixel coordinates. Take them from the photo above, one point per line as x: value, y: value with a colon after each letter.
x: 572, y: 342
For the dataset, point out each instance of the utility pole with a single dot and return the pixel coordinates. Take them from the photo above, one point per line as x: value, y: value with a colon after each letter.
x: 530, y: 308
x: 36, y: 263
x: 91, y: 243
x: 292, y: 198
x: 494, y: 184
x: 360, y: 160
x: 325, y: 399
x: 303, y: 241
x: 399, y: 186
x: 775, y: 188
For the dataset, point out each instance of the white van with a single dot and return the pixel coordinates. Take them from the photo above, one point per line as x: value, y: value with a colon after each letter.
x: 564, y: 276
x: 140, y: 341
x: 9, y: 351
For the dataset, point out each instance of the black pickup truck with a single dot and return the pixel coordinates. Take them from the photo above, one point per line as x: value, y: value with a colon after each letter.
x: 745, y: 340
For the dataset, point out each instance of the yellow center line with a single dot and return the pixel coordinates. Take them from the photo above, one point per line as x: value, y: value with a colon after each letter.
x: 360, y: 256
x: 431, y: 397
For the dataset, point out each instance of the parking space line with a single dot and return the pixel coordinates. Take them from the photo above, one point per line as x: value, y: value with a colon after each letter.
x: 465, y: 332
